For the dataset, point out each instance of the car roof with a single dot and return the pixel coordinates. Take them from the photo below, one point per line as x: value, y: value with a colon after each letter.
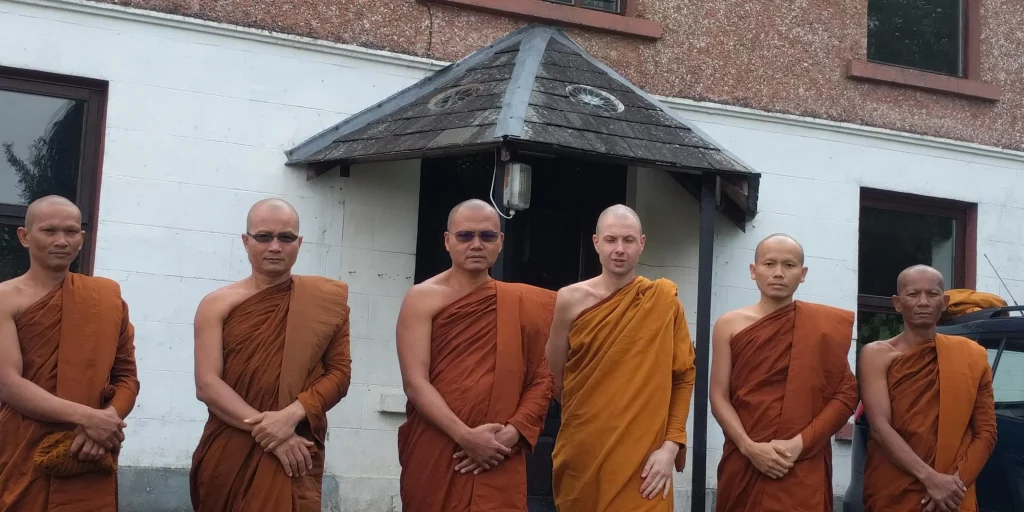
x: 1006, y: 319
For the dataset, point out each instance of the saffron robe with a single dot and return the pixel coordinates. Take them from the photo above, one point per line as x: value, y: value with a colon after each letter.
x: 487, y: 360
x: 627, y: 388
x: 77, y: 343
x: 790, y: 375
x: 285, y: 343
x: 943, y: 407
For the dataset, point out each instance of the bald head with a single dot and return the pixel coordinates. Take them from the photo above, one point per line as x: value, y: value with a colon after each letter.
x: 619, y: 212
x: 272, y: 207
x: 473, y: 206
x: 919, y: 276
x: 780, y: 241
x: 46, y: 207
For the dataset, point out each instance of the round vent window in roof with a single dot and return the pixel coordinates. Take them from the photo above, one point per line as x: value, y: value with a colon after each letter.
x: 454, y: 96
x: 594, y: 98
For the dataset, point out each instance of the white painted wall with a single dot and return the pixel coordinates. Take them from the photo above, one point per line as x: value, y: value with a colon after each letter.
x: 810, y: 189
x: 199, y: 116
x: 197, y: 123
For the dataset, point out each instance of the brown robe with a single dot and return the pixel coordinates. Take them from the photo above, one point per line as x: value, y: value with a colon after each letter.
x: 943, y: 407
x: 76, y: 343
x: 790, y: 375
x: 287, y: 342
x: 487, y: 360
x: 627, y: 390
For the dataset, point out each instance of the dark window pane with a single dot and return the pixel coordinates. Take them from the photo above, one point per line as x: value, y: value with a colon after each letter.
x: 41, y: 146
x: 874, y: 326
x: 922, y: 34
x: 602, y: 5
x: 1008, y: 381
x: 566, y: 2
x: 891, y: 241
x: 14, y: 258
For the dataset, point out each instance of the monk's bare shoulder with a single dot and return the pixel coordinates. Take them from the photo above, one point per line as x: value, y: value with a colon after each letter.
x: 221, y: 301
x: 16, y: 296
x: 732, y: 322
x: 577, y: 297
x: 879, y: 354
x: 432, y: 295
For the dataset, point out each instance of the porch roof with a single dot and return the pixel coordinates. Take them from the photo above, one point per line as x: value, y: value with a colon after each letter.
x: 534, y: 90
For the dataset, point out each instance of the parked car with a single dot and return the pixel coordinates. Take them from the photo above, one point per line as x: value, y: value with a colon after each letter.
x: 1000, y: 486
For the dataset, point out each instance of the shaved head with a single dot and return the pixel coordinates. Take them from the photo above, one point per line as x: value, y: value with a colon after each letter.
x: 41, y: 207
x: 271, y: 205
x: 472, y: 205
x: 916, y: 273
x: 779, y: 238
x: 618, y: 212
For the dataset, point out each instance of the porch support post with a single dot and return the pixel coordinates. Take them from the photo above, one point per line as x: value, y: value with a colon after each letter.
x: 496, y: 192
x: 703, y: 344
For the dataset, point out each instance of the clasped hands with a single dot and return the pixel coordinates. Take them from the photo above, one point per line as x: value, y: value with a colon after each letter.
x: 944, y: 493
x: 776, y: 457
x: 484, y: 447
x: 100, y: 432
x: 275, y: 433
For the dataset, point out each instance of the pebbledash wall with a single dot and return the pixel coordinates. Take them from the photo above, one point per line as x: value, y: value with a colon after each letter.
x: 199, y: 115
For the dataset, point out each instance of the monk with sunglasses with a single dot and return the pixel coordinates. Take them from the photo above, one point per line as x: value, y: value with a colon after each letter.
x: 471, y: 351
x: 272, y: 357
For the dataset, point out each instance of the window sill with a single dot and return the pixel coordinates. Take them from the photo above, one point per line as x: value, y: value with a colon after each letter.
x: 538, y: 10
x: 872, y: 71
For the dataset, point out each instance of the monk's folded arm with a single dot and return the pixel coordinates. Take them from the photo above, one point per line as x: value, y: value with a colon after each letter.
x: 878, y: 406
x: 683, y: 375
x: 412, y: 334
x: 836, y: 413
x: 332, y: 386
x: 557, y: 347
x: 719, y: 393
x: 539, y: 384
x: 211, y: 389
x: 22, y: 394
x: 983, y: 428
x: 124, y: 376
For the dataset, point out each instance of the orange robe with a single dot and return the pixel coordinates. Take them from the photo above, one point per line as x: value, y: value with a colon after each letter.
x: 287, y: 342
x: 487, y: 361
x: 76, y: 343
x: 790, y: 375
x: 943, y: 407
x: 626, y: 391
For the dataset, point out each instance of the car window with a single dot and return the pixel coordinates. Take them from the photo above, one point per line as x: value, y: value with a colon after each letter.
x: 1008, y: 380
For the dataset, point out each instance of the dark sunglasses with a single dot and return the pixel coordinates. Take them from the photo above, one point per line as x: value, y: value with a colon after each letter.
x: 468, y: 236
x: 265, y: 238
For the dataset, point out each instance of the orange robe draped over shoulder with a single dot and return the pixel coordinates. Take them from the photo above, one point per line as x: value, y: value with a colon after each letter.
x: 627, y: 388
x: 790, y: 375
x: 943, y: 407
x: 76, y: 343
x: 288, y: 342
x: 487, y: 360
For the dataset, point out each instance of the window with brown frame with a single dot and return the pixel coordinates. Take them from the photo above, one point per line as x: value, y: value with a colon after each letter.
x: 51, y: 132
x: 899, y: 230
x: 610, y: 16
x: 614, y: 6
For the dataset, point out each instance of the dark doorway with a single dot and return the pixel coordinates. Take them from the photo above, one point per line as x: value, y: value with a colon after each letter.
x: 548, y: 245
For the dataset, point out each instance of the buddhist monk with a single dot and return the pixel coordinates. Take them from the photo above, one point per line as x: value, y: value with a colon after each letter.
x: 928, y: 399
x: 623, y: 365
x: 67, y: 373
x: 271, y: 358
x: 471, y: 352
x: 781, y: 387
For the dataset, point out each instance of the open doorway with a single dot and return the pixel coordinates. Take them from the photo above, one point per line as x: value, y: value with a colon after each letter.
x: 547, y: 245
